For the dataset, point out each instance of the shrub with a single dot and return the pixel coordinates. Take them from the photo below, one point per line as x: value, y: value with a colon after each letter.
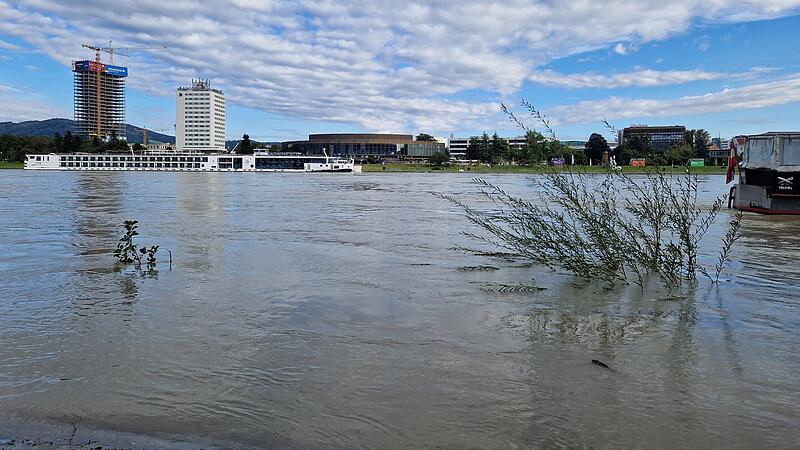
x: 620, y: 230
x: 127, y: 252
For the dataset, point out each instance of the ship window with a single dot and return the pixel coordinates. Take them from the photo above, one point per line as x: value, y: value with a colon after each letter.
x: 790, y: 152
x: 759, y: 151
x: 38, y: 158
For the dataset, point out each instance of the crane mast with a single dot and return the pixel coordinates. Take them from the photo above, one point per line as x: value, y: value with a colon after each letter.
x: 99, y: 76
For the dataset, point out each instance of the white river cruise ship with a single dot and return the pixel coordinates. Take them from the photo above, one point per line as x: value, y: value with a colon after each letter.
x: 258, y: 162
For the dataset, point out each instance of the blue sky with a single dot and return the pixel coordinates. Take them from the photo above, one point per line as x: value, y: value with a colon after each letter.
x: 290, y: 68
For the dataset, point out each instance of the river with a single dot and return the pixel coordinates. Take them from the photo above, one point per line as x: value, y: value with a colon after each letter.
x: 329, y: 311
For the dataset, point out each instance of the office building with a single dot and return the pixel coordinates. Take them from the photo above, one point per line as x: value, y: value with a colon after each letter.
x: 661, y: 137
x: 200, y: 118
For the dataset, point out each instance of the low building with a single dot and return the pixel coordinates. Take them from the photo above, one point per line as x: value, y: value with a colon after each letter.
x: 457, y: 146
x: 661, y: 137
x: 365, y: 145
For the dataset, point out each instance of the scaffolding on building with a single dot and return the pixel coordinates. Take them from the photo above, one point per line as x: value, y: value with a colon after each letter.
x: 99, y: 99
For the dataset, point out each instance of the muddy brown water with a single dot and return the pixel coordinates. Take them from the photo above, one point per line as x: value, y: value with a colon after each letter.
x: 326, y: 311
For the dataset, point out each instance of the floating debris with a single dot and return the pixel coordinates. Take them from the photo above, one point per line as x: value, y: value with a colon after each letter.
x: 511, y: 288
x: 477, y: 269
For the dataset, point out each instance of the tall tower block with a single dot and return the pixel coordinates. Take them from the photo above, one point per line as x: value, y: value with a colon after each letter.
x: 200, y: 118
x: 99, y: 94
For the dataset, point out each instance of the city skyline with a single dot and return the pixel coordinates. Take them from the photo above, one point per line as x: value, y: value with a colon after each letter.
x: 289, y: 69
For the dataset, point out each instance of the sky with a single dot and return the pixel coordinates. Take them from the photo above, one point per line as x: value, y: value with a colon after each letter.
x: 290, y: 68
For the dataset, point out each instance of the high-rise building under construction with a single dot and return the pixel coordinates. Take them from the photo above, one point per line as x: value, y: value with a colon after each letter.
x: 99, y: 99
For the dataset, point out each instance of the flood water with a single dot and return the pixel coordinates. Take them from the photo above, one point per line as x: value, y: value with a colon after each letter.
x: 328, y: 311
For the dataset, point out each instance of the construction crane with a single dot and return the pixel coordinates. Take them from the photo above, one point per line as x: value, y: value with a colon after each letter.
x: 110, y: 50
x: 144, y: 133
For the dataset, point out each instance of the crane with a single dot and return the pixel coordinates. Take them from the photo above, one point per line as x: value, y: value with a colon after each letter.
x: 110, y: 50
x: 144, y: 132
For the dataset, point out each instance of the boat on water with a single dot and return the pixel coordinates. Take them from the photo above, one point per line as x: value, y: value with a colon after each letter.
x: 192, y: 162
x: 769, y: 174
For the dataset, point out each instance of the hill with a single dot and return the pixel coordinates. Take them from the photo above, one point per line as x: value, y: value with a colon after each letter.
x: 50, y: 127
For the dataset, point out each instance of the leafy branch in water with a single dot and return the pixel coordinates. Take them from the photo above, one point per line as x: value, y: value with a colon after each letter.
x: 731, y: 236
x: 127, y: 251
x: 616, y: 229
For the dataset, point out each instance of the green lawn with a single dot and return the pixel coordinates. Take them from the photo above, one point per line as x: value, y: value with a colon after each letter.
x: 423, y: 168
x: 11, y: 165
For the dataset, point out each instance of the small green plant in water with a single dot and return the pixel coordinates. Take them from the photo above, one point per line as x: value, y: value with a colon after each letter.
x: 127, y: 251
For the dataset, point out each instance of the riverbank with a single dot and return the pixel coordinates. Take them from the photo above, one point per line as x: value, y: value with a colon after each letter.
x: 424, y: 168
x: 12, y: 165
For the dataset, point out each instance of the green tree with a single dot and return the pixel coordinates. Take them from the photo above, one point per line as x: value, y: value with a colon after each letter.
x: 425, y: 137
x: 641, y: 146
x: 480, y: 148
x: 535, y: 149
x: 438, y: 159
x: 137, y: 147
x: 623, y: 154
x: 701, y: 142
x: 58, y: 143
x: 245, y: 146
x: 595, y: 147
x: 70, y: 143
x: 14, y: 148
x: 473, y: 148
x: 681, y: 154
x: 498, y: 148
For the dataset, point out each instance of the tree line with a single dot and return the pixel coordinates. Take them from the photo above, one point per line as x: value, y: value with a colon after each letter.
x: 14, y: 148
x: 536, y: 149
x: 539, y: 150
x: 639, y: 146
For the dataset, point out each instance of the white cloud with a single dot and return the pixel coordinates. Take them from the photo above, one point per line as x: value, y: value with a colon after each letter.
x: 620, y: 49
x: 4, y: 89
x: 8, y: 46
x: 703, y: 43
x: 638, y: 78
x: 378, y: 64
x: 754, y: 96
x: 16, y: 105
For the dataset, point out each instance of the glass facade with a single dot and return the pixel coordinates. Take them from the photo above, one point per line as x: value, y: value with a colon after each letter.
x: 662, y: 138
x: 421, y: 149
x: 345, y: 149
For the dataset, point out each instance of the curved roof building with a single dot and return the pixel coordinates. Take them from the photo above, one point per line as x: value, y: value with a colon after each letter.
x: 366, y: 144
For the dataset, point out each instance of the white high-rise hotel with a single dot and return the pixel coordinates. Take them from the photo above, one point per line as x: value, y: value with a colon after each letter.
x: 200, y: 118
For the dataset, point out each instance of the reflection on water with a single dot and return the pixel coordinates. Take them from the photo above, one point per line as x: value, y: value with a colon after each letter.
x: 321, y: 311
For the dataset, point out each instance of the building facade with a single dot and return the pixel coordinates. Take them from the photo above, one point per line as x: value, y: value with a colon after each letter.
x: 199, y: 118
x: 661, y: 137
x: 458, y: 145
x: 365, y: 145
x: 99, y: 99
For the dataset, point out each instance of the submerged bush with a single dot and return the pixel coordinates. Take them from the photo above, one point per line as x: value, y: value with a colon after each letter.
x: 127, y: 252
x: 620, y: 230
